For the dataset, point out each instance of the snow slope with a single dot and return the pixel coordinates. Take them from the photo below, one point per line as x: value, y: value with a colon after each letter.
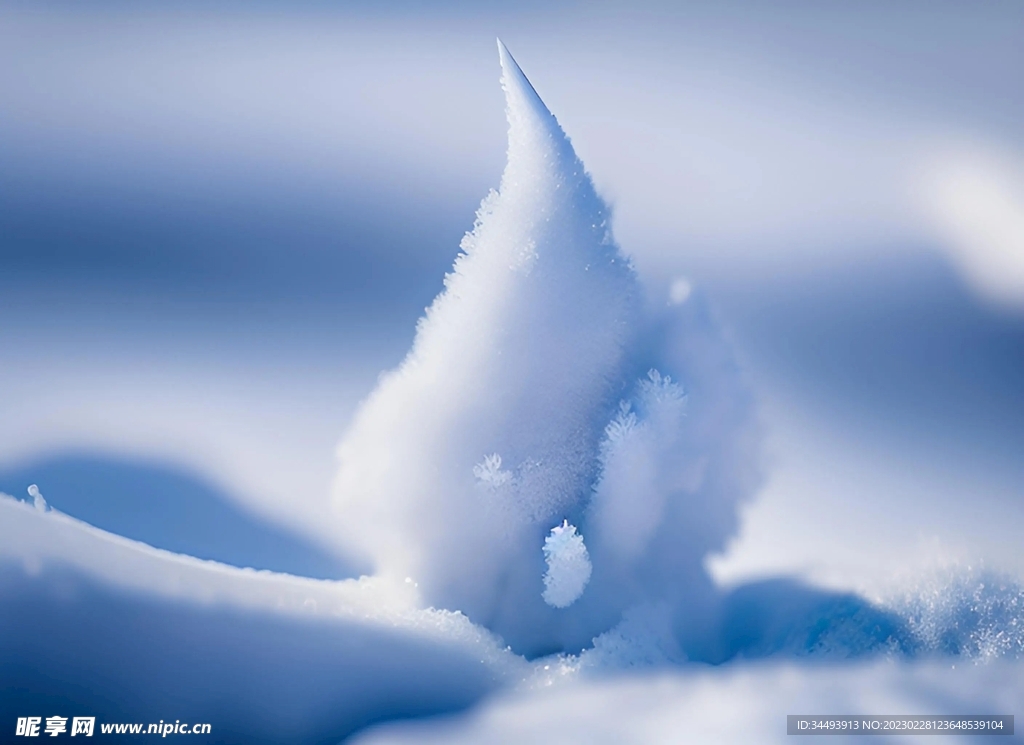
x: 96, y: 624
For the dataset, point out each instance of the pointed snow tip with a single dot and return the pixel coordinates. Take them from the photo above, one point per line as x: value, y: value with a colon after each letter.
x: 514, y: 80
x: 509, y: 66
x: 503, y: 52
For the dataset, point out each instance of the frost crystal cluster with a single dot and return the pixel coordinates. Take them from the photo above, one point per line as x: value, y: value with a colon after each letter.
x: 568, y: 566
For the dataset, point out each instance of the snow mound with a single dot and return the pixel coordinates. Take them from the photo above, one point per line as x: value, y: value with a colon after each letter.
x: 118, y: 629
x: 544, y: 386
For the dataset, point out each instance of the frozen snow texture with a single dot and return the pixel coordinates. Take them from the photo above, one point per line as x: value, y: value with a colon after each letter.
x: 541, y: 386
x: 971, y: 613
x: 636, y: 458
x: 568, y: 566
x: 489, y: 472
x: 521, y: 355
x: 643, y: 639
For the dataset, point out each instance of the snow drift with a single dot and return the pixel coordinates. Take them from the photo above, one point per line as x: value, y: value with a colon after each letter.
x: 544, y: 386
x: 99, y: 625
x: 735, y: 704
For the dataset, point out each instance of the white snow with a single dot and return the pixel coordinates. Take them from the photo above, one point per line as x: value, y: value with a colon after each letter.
x: 266, y: 656
x: 568, y: 566
x: 521, y: 356
x: 40, y: 540
x: 734, y: 704
x: 542, y: 387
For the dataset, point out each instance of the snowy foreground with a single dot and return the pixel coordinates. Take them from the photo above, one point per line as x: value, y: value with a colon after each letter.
x: 733, y: 704
x: 97, y: 624
x: 538, y: 486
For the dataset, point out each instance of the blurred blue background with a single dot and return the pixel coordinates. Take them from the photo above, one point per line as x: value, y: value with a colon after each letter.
x: 218, y: 223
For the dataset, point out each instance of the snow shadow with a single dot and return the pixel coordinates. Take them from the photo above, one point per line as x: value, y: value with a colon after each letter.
x: 71, y: 647
x: 168, y: 507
